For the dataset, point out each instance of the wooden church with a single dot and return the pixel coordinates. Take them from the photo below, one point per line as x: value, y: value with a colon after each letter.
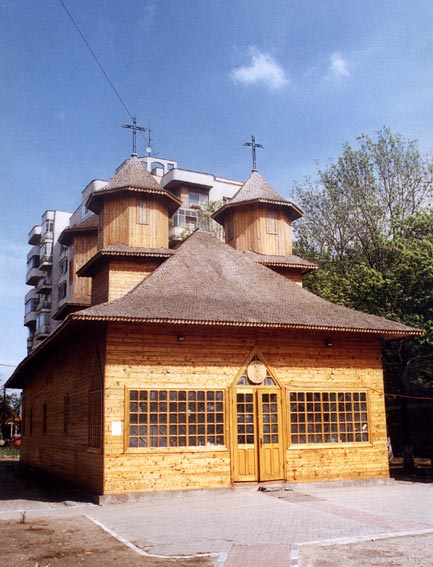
x: 204, y: 366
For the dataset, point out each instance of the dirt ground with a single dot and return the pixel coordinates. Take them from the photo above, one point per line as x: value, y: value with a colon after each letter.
x: 413, y: 551
x: 63, y: 541
x: 68, y: 542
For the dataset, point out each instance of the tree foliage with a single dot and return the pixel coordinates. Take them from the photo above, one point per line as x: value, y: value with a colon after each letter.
x: 369, y: 225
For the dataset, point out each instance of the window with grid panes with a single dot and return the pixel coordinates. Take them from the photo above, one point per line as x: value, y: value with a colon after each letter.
x: 176, y: 418
x: 328, y: 417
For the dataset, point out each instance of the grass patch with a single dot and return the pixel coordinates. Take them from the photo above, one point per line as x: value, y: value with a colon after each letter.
x: 9, y: 453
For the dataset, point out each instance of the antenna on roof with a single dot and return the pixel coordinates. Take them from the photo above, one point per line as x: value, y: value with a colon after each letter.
x: 253, y: 146
x: 134, y: 129
x: 149, y: 143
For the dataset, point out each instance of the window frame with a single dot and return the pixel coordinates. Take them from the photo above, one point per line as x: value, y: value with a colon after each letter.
x: 142, y: 212
x: 178, y: 448
x: 351, y: 422
x: 271, y: 222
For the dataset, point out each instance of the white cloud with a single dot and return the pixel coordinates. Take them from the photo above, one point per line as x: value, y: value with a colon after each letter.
x: 147, y: 15
x: 262, y: 69
x: 339, y: 66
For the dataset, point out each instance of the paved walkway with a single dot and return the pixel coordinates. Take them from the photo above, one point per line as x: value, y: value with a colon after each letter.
x: 245, y: 527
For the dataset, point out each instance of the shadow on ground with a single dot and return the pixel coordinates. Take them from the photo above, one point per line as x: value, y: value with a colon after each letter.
x: 19, y: 482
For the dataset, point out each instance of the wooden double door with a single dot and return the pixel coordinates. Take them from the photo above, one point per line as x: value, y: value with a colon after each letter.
x: 258, y: 449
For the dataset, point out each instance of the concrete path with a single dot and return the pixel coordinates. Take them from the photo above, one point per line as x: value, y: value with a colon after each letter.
x: 245, y: 527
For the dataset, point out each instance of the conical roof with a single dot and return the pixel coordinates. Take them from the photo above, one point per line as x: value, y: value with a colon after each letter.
x: 132, y: 176
x: 257, y: 190
x: 208, y: 282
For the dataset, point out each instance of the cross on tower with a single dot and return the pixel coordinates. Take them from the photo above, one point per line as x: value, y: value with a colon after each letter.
x: 253, y: 146
x: 134, y: 129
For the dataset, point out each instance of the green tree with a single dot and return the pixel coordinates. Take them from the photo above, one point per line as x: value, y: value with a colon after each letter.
x: 369, y: 225
x: 10, y: 405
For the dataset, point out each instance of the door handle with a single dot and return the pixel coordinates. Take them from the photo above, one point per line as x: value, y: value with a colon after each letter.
x: 261, y: 442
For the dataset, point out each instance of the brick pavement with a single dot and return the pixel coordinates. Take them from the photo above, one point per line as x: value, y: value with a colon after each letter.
x: 248, y: 527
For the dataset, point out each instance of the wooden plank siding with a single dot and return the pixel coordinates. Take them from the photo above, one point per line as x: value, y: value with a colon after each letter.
x: 292, y: 274
x: 124, y: 276
x: 63, y: 449
x: 249, y: 227
x: 152, y: 357
x: 84, y: 247
x: 119, y: 222
x: 115, y: 278
x: 100, y: 285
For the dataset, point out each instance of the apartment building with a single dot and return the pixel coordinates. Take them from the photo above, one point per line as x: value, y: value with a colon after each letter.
x: 42, y: 271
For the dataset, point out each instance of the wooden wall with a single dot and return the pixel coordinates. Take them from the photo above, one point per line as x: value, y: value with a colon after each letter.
x: 115, y: 278
x: 100, y: 285
x: 140, y: 357
x: 292, y: 274
x: 250, y: 230
x: 119, y: 222
x: 84, y: 247
x: 124, y: 276
x: 66, y: 370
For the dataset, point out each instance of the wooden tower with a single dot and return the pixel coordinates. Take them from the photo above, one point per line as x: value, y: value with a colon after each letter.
x: 134, y: 212
x: 258, y: 219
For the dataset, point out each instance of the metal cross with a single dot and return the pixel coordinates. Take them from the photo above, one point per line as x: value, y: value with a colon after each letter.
x: 134, y: 129
x: 253, y: 146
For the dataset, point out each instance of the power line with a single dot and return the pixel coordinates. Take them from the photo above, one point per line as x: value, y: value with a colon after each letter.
x: 10, y: 365
x: 97, y: 60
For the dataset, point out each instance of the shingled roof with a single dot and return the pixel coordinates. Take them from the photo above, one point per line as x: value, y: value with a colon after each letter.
x: 132, y: 176
x: 208, y: 282
x: 87, y: 226
x: 257, y: 190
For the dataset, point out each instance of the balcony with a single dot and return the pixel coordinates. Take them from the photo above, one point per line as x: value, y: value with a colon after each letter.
x: 43, y: 305
x: 30, y: 307
x: 30, y: 319
x: 33, y: 275
x: 35, y: 235
x: 34, y: 251
x: 47, y: 236
x: 42, y: 332
x: 46, y: 262
x: 44, y: 285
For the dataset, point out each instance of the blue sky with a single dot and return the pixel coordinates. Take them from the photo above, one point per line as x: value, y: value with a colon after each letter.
x: 304, y: 76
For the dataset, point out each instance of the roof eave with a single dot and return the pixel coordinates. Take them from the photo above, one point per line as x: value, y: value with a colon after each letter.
x: 397, y: 333
x: 88, y: 268
x: 94, y: 200
x: 295, y: 211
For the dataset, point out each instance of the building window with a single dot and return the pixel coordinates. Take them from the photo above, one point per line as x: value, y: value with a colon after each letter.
x: 196, y: 200
x: 49, y: 225
x: 44, y: 418
x: 64, y: 267
x: 328, y: 417
x: 272, y: 222
x: 142, y: 212
x: 101, y: 219
x: 66, y: 414
x: 61, y: 291
x: 175, y: 418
